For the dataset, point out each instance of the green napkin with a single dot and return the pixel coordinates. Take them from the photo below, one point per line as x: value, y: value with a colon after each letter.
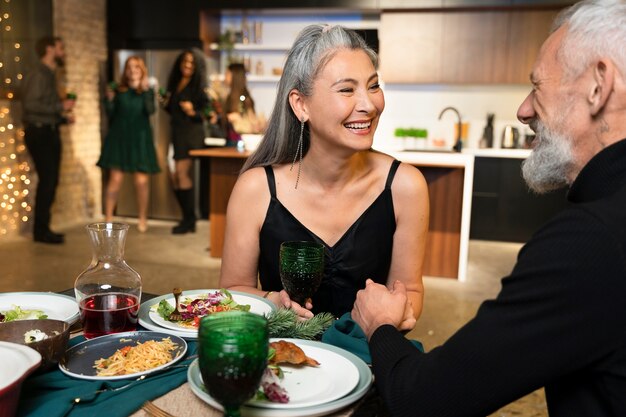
x: 347, y: 334
x: 52, y: 394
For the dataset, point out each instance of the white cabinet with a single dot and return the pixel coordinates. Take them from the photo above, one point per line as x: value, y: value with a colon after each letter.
x: 266, y: 54
x: 272, y: 33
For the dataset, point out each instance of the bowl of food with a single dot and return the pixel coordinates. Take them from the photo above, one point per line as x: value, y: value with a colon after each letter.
x: 16, y: 363
x: 46, y: 336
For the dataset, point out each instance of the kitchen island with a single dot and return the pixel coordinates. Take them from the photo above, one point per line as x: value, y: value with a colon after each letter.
x: 449, y: 177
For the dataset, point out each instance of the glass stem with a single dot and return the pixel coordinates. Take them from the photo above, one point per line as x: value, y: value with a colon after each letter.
x: 231, y: 412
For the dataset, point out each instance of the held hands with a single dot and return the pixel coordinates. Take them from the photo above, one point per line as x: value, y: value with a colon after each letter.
x: 376, y: 305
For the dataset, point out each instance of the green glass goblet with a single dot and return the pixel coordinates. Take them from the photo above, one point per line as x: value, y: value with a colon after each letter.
x: 232, y: 350
x: 301, y: 268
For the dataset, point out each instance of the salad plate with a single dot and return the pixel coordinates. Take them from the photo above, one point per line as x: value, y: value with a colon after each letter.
x: 307, y: 401
x: 150, y: 319
x: 78, y: 361
x: 32, y: 304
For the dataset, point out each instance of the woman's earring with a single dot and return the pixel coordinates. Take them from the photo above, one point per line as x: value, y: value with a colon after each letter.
x: 299, y: 152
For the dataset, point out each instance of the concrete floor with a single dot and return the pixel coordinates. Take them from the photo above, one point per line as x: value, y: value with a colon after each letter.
x: 164, y: 260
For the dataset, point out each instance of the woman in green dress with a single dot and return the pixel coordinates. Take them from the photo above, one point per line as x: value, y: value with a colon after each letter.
x: 128, y: 147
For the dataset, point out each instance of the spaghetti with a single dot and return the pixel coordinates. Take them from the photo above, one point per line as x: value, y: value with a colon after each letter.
x: 134, y: 359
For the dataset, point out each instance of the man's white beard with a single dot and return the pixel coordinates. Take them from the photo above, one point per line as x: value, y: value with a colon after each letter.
x: 550, y: 161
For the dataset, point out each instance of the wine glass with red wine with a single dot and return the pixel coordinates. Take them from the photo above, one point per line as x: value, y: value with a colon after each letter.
x: 301, y: 268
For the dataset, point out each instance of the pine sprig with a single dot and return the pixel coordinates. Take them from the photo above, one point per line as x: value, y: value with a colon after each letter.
x: 284, y: 323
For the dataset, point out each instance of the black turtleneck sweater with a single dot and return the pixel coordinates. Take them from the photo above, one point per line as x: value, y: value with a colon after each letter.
x: 559, y: 320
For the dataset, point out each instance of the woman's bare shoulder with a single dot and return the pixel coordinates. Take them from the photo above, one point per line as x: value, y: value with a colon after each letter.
x: 252, y: 181
x: 410, y: 179
x: 407, y: 175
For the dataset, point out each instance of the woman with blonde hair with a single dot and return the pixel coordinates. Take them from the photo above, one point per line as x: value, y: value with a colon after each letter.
x: 128, y: 146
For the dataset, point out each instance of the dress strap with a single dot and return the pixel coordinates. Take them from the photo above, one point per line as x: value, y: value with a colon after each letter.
x: 271, y: 182
x: 392, y: 172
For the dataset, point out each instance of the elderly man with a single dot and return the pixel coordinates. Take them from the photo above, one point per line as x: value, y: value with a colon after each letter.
x: 559, y: 321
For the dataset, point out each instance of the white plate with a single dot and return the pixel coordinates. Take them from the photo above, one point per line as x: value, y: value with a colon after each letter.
x: 79, y: 359
x: 308, y: 386
x: 318, y: 407
x: 150, y: 319
x: 55, y: 306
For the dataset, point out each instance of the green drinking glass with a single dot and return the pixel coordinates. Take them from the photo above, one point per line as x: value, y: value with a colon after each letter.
x: 301, y: 268
x: 232, y: 350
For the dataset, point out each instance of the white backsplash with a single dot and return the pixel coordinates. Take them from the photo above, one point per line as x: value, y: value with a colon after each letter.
x: 419, y: 106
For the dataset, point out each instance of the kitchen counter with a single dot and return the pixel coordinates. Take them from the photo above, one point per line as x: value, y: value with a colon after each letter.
x: 449, y: 177
x: 498, y: 153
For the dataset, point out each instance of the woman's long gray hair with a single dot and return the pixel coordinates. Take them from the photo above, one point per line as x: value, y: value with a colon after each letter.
x: 312, y: 49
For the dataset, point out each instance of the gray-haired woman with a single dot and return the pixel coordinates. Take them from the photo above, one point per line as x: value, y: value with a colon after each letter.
x: 315, y: 177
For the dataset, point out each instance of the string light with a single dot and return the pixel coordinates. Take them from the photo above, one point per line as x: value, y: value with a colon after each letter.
x: 15, y: 207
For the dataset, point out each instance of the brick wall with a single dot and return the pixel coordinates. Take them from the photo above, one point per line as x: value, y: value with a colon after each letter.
x: 82, y: 25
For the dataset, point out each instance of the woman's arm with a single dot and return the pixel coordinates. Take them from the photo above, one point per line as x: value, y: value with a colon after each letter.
x: 411, y: 206
x: 244, y: 218
x: 149, y: 101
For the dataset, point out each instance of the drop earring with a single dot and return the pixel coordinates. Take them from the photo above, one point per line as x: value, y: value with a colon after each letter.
x: 298, y: 154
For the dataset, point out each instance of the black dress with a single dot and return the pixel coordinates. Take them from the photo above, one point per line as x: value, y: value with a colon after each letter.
x: 364, y: 251
x: 187, y: 131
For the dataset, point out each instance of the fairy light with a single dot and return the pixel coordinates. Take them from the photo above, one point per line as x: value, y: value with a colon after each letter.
x: 15, y: 206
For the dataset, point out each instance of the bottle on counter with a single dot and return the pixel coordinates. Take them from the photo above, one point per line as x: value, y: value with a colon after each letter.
x: 245, y: 31
x: 487, y: 139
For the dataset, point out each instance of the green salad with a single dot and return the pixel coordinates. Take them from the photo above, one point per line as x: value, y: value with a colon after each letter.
x: 17, y: 313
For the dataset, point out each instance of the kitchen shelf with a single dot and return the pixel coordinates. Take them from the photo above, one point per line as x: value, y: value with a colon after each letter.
x: 252, y: 47
x: 251, y: 78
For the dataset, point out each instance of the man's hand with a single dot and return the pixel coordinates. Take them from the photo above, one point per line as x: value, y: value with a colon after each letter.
x: 68, y: 104
x: 376, y: 305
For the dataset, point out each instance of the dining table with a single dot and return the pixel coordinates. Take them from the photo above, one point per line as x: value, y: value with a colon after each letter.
x: 181, y: 401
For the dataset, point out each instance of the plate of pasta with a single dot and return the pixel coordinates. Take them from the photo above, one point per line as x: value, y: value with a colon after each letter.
x: 122, y: 355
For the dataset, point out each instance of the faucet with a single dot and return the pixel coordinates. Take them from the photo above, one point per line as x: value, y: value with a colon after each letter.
x: 458, y: 144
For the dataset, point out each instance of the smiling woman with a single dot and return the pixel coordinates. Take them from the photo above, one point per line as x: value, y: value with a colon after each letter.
x: 368, y: 210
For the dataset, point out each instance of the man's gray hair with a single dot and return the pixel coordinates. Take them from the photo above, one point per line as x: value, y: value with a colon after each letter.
x: 312, y: 49
x: 595, y: 29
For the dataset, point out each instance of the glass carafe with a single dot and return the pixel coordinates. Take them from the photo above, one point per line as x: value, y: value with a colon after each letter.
x: 108, y: 291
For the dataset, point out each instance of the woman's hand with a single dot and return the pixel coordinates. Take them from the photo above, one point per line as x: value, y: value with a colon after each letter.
x: 145, y: 84
x: 110, y: 94
x: 187, y: 107
x: 282, y: 299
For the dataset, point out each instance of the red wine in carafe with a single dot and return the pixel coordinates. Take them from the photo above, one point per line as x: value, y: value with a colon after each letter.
x: 103, y: 314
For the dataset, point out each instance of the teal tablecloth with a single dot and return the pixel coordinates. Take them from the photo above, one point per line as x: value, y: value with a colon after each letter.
x: 52, y: 394
x: 347, y: 334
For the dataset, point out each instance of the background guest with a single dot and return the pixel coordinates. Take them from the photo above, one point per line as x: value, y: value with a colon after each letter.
x: 129, y: 146
x: 43, y: 111
x: 186, y: 100
x: 367, y: 209
x: 238, y: 106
